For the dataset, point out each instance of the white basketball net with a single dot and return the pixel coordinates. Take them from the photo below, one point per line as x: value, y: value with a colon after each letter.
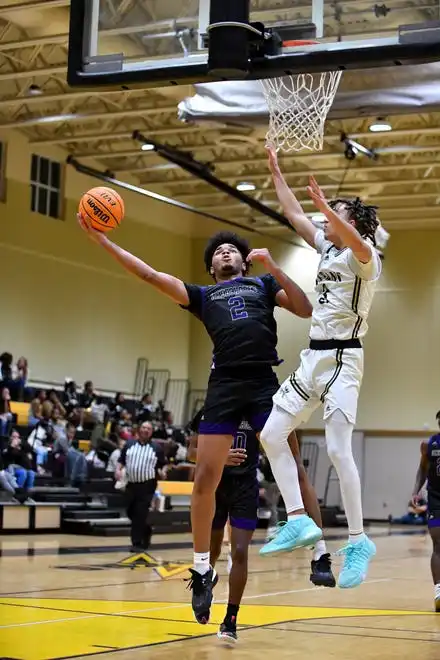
x: 298, y: 107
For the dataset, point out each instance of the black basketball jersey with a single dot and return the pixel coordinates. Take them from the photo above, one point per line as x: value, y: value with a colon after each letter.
x: 238, y: 316
x: 434, y: 466
x: 245, y: 438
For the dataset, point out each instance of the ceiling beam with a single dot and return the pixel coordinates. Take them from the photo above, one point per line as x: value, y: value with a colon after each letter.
x: 93, y: 116
x: 33, y: 4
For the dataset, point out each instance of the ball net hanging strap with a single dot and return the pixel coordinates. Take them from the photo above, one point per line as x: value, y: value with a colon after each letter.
x: 298, y: 106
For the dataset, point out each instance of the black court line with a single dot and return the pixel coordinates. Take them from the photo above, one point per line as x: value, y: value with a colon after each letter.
x: 346, y: 634
x: 340, y: 625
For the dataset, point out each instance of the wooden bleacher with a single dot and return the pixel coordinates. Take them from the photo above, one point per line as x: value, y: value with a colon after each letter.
x: 22, y: 411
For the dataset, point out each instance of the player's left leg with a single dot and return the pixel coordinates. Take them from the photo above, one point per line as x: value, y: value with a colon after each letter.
x: 434, y: 530
x: 342, y: 375
x: 243, y: 513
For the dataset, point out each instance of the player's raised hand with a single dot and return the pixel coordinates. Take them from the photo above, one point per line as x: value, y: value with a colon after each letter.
x: 317, y: 196
x: 92, y: 233
x: 261, y: 255
x: 273, y: 163
x: 236, y: 457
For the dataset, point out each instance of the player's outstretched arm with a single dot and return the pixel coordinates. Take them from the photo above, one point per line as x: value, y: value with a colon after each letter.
x: 348, y: 234
x: 291, y: 296
x: 168, y: 284
x: 422, y: 472
x: 291, y: 207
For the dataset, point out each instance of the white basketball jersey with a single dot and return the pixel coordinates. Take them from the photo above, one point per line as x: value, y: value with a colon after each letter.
x: 345, y: 290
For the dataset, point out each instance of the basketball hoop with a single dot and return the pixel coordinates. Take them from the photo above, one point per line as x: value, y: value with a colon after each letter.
x: 298, y: 106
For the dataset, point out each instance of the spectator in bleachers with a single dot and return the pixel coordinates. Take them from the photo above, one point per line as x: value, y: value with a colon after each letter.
x: 86, y: 399
x: 116, y: 453
x: 8, y: 482
x: 42, y: 438
x: 6, y: 416
x: 20, y: 376
x: 18, y: 459
x: 36, y: 408
x: 70, y: 401
x: 6, y: 369
x: 117, y: 407
x: 53, y: 397
x: 66, y: 452
x: 146, y: 409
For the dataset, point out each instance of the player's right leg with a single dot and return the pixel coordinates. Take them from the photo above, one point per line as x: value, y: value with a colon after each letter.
x: 321, y: 574
x: 434, y: 530
x: 293, y: 404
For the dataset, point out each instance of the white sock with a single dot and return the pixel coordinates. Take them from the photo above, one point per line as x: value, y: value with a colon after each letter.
x: 437, y: 591
x: 338, y: 434
x: 201, y: 562
x: 274, y: 440
x: 319, y: 550
x: 295, y: 516
x: 356, y: 538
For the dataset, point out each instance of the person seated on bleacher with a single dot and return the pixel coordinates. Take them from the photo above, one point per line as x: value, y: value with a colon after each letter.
x: 70, y: 401
x: 36, y: 408
x: 117, y: 407
x: 17, y: 458
x: 8, y: 483
x: 6, y: 370
x: 20, y: 376
x: 57, y: 405
x: 86, y: 399
x: 42, y: 438
x: 66, y: 453
x: 116, y: 453
x: 6, y: 415
x: 146, y: 409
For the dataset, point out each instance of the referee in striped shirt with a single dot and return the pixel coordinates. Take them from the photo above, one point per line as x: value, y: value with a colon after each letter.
x: 142, y: 460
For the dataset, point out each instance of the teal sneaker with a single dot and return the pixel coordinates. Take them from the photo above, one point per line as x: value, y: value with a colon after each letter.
x: 298, y: 533
x: 357, y: 558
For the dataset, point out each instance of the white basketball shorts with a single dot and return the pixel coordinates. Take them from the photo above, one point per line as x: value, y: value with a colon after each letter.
x: 331, y: 377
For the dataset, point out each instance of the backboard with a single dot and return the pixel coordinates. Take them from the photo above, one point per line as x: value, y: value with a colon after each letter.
x: 152, y: 43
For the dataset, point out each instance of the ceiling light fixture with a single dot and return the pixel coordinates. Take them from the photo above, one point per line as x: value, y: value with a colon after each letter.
x: 148, y: 147
x: 245, y: 187
x: 380, y: 127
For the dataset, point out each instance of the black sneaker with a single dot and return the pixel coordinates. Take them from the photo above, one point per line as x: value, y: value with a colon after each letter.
x: 228, y: 632
x: 202, y: 586
x: 321, y: 575
x: 437, y: 605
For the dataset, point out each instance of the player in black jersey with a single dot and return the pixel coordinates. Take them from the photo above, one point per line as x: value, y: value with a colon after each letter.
x: 236, y: 500
x: 429, y: 470
x: 237, y: 311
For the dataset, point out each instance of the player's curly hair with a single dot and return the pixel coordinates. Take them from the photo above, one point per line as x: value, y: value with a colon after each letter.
x: 364, y: 216
x: 226, y: 237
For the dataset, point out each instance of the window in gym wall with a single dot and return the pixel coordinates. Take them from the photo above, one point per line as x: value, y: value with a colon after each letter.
x: 46, y: 186
x: 2, y: 172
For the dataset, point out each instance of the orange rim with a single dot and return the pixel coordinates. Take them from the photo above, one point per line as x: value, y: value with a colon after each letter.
x: 299, y: 42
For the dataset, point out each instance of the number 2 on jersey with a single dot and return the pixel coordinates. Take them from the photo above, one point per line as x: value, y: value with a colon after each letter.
x: 237, y: 308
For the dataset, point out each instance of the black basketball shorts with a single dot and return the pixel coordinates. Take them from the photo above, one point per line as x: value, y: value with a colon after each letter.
x: 236, y: 498
x: 231, y: 399
x: 433, y: 509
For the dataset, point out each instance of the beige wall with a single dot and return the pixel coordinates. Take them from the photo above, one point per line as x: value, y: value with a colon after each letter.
x: 401, y: 388
x: 68, y: 306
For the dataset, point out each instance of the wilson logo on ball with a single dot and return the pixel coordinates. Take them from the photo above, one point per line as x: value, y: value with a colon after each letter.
x: 97, y: 212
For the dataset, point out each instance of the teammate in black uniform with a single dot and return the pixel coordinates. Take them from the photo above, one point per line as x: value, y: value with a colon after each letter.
x: 237, y: 312
x: 236, y: 500
x: 429, y: 469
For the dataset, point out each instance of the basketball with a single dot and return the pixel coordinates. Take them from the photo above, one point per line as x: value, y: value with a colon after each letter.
x: 103, y: 208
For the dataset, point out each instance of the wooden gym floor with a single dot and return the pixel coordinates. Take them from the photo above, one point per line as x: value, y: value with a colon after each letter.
x: 76, y: 597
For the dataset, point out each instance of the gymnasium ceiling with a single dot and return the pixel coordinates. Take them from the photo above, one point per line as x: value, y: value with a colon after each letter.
x: 405, y: 182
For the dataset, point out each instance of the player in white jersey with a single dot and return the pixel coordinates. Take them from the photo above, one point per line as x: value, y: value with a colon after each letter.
x: 331, y: 369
